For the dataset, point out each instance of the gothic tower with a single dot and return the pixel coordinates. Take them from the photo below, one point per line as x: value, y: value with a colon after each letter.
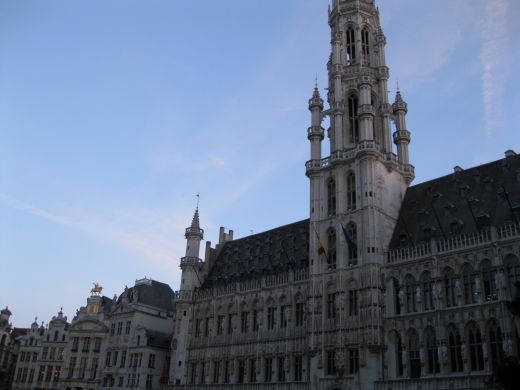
x: 192, y: 276
x: 355, y: 192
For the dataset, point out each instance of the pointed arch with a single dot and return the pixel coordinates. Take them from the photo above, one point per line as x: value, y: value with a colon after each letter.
x: 331, y: 248
x: 353, y: 120
x: 494, y: 336
x: 350, y: 44
x: 454, y: 349
x: 365, y: 46
x: 474, y: 342
x: 414, y: 358
x: 432, y: 359
x: 468, y: 279
x: 449, y: 280
x: 427, y: 291
x: 410, y: 286
x: 351, y: 190
x: 331, y: 197
x: 352, y: 244
x: 488, y: 272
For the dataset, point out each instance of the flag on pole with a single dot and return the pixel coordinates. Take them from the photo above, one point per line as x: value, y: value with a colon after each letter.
x: 348, y: 238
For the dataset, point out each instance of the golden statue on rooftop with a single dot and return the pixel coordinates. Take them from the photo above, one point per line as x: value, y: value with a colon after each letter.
x: 96, y: 290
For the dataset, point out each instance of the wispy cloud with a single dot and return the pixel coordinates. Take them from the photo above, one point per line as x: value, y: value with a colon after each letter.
x: 492, y: 57
x: 157, y: 239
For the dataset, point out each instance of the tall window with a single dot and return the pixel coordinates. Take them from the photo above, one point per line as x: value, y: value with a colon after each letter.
x: 353, y: 118
x: 353, y: 302
x: 300, y: 312
x: 241, y: 370
x: 244, y: 322
x: 410, y: 286
x: 331, y: 197
x: 216, y: 371
x: 513, y: 272
x: 353, y: 360
x: 252, y: 370
x: 468, y: 279
x: 331, y: 363
x: 454, y: 347
x: 397, y: 294
x: 427, y: 291
x: 331, y: 249
x: 495, y: 344
x: 298, y: 368
x: 331, y: 305
x: 365, y: 46
x: 449, y: 287
x: 283, y: 316
x: 431, y: 351
x: 281, y: 369
x: 351, y: 191
x: 475, y: 348
x: 268, y: 370
x: 352, y: 246
x: 220, y: 325
x: 414, y: 357
x: 351, y: 46
x: 270, y: 317
x: 488, y: 280
x: 399, y: 356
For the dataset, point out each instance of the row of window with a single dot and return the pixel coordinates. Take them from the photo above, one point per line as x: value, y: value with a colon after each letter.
x: 81, y: 368
x: 332, y: 195
x: 471, y: 348
x: 134, y: 359
x: 132, y: 380
x: 246, y: 370
x: 332, y: 362
x: 453, y: 290
x: 45, y: 374
x: 332, y: 304
x: 85, y: 344
x: 120, y: 328
x: 351, y: 49
x: 350, y: 234
x: 32, y: 341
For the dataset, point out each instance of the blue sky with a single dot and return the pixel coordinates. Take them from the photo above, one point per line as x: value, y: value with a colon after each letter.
x: 114, y: 114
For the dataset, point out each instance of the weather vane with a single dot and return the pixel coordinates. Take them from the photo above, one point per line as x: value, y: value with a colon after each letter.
x: 198, y: 198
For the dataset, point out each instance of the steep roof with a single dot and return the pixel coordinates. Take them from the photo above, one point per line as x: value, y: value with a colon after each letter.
x: 460, y: 203
x: 273, y: 251
x: 156, y: 294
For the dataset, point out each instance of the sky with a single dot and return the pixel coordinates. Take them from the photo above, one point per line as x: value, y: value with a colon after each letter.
x: 115, y: 114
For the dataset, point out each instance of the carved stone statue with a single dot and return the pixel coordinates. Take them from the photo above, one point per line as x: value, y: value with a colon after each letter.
x: 464, y: 351
x: 444, y: 353
x: 401, y: 298
x: 477, y: 288
x: 458, y: 290
x: 418, y: 295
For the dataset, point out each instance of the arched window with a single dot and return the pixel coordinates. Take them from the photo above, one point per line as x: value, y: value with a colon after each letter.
x: 399, y: 357
x: 513, y: 272
x: 353, y: 118
x: 431, y: 351
x: 351, y: 191
x: 2, y: 341
x: 331, y: 249
x: 56, y: 336
x: 365, y: 46
x: 410, y: 288
x: 397, y: 294
x: 476, y: 355
x: 495, y: 344
x: 351, y: 46
x: 488, y: 280
x: 427, y: 291
x: 414, y: 358
x: 331, y: 197
x: 449, y: 280
x: 454, y: 347
x: 352, y: 244
x: 468, y: 278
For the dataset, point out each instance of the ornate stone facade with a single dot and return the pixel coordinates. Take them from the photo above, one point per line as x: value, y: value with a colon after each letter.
x: 385, y: 286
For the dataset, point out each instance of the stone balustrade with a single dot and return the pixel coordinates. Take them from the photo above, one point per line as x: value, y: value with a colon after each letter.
x: 459, y: 382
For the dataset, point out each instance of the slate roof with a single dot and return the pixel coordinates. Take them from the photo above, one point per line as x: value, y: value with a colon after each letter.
x: 157, y: 339
x: 157, y: 294
x: 460, y: 203
x: 273, y: 251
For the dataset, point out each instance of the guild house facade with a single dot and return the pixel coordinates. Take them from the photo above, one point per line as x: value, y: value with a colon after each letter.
x: 386, y: 285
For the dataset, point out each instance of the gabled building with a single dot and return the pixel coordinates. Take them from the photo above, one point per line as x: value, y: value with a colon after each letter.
x: 137, y: 349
